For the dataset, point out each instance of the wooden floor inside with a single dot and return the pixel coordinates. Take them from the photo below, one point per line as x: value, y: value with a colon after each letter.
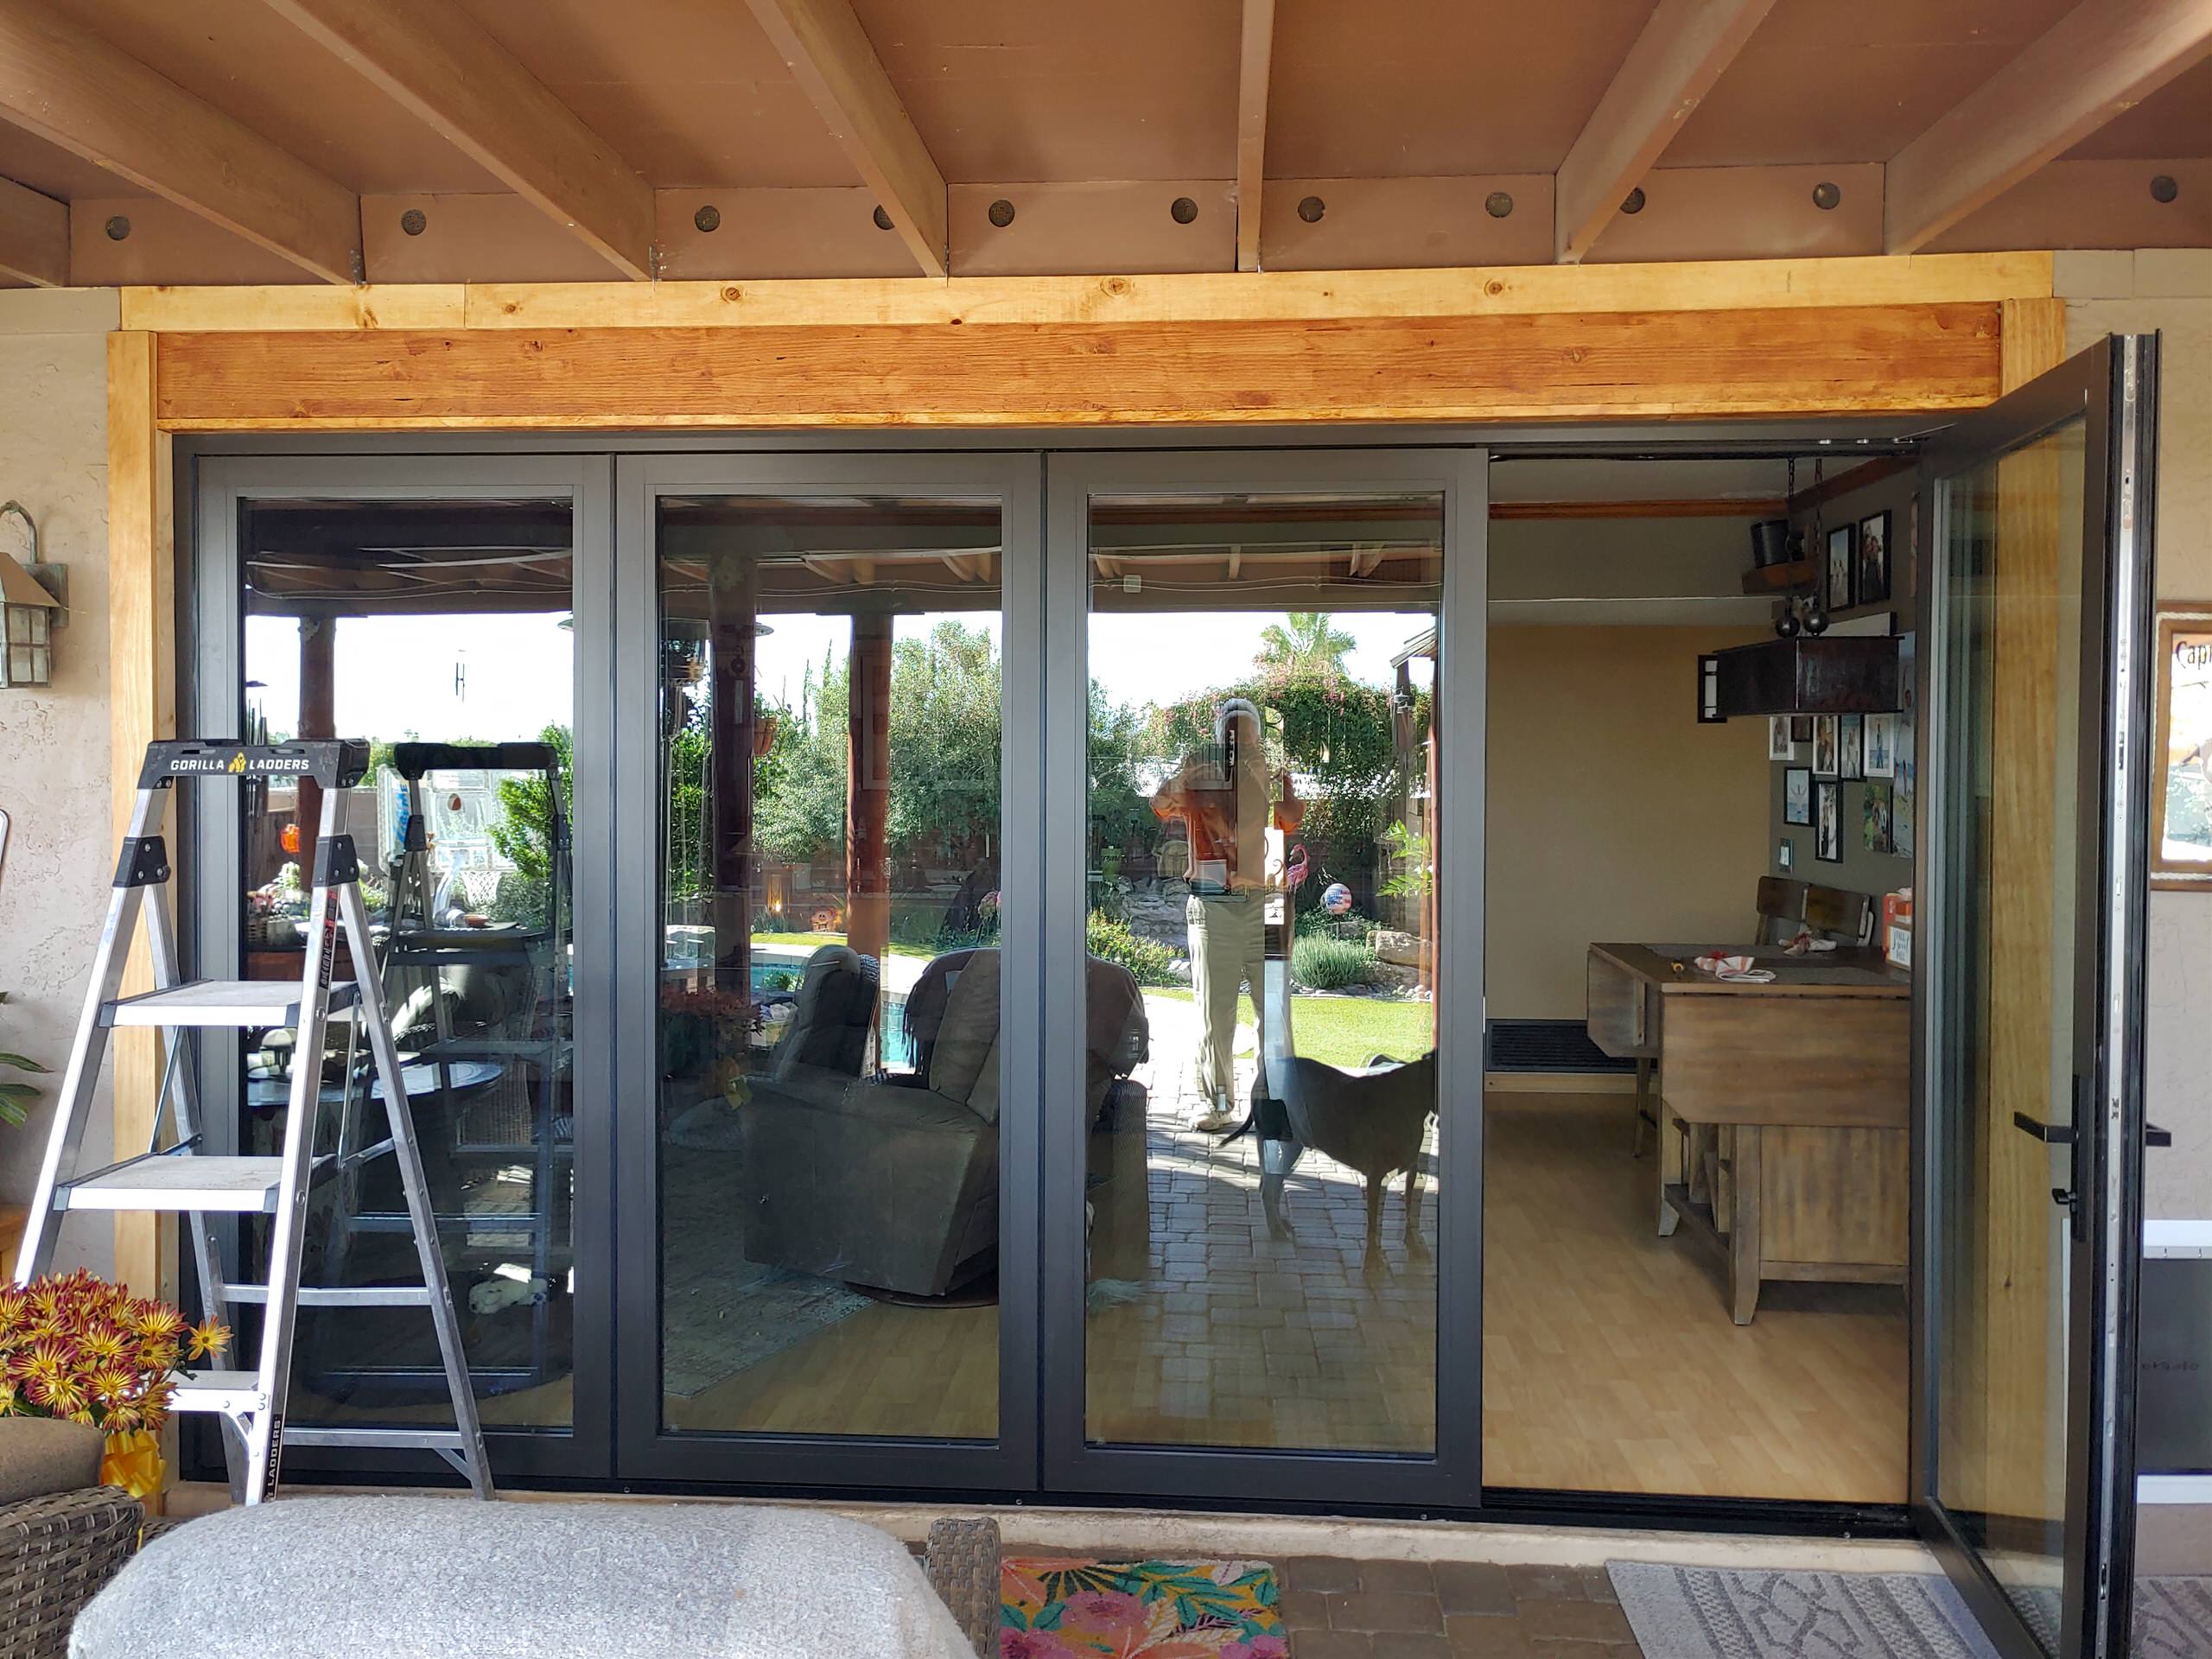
x: 1611, y: 1363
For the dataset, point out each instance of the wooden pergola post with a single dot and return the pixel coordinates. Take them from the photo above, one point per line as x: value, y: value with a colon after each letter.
x: 867, y: 793
x: 731, y: 624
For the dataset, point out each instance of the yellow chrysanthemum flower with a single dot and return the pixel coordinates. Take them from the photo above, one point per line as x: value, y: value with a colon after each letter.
x: 208, y: 1338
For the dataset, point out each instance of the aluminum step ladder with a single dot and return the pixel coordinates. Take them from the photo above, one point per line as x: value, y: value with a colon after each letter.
x: 184, y: 1179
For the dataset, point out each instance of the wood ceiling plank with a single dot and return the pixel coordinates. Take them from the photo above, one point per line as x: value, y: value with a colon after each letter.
x: 1674, y: 62
x: 72, y: 88
x: 1631, y: 365
x: 2070, y: 204
x: 824, y: 46
x: 2102, y: 58
x: 438, y: 62
x: 1255, y: 62
x: 34, y: 237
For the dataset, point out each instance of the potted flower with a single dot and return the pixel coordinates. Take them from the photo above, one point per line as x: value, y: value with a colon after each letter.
x: 75, y: 1349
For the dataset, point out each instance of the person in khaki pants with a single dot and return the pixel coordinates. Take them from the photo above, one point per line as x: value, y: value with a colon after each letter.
x: 1222, y: 794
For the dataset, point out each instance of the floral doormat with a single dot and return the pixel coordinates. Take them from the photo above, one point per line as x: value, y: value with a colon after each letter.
x: 1071, y: 1608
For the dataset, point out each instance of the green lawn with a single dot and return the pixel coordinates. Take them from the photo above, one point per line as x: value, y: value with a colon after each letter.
x: 1345, y: 1031
x: 815, y: 941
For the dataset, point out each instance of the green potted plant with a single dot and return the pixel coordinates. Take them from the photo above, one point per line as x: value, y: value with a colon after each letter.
x: 15, y: 1095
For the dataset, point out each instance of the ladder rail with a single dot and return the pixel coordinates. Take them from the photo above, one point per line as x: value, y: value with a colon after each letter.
x: 399, y: 1119
x: 80, y: 1080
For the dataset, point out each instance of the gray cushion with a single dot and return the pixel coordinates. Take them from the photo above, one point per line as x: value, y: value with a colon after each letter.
x: 965, y: 1065
x: 417, y: 1578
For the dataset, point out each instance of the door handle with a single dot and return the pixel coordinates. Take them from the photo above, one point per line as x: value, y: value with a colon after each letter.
x: 2051, y: 1134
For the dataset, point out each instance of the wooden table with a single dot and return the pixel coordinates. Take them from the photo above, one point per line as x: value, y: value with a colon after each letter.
x: 1781, y: 1105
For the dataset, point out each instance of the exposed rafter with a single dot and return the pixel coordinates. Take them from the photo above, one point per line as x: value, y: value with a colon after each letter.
x: 440, y: 63
x: 829, y: 51
x: 34, y: 237
x: 1675, y: 60
x: 73, y: 89
x: 2102, y: 58
x: 1254, y: 65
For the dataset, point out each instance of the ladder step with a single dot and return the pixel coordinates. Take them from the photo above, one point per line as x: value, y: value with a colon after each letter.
x: 427, y: 1440
x: 341, y: 1295
x: 224, y: 1391
x: 242, y: 1004
x: 184, y: 1181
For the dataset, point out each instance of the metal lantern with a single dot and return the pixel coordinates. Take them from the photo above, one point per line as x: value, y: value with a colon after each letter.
x: 26, y: 617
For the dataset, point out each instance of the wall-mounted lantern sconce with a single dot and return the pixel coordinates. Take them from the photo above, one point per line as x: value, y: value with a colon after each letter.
x: 29, y: 612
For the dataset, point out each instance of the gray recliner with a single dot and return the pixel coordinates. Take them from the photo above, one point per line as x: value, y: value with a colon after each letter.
x: 893, y: 1182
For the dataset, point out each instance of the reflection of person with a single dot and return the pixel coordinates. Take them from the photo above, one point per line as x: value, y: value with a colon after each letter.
x: 1222, y: 795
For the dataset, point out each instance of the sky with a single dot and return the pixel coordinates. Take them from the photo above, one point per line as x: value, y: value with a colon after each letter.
x: 497, y: 678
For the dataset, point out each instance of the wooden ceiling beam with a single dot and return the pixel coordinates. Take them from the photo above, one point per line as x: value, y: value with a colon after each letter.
x: 2102, y: 58
x: 1255, y: 63
x: 1675, y: 60
x: 825, y: 46
x: 34, y: 237
x: 73, y: 89
x: 444, y: 66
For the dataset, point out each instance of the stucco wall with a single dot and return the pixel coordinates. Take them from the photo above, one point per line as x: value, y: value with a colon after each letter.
x: 53, y: 743
x: 2169, y: 290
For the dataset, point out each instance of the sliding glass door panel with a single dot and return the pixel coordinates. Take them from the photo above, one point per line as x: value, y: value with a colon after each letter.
x: 829, y: 1057
x: 1257, y: 1175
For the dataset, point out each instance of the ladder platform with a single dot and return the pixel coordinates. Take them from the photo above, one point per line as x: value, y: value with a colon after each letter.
x: 340, y: 1295
x: 180, y: 1181
x: 424, y: 1440
x: 241, y: 1004
x: 228, y: 1392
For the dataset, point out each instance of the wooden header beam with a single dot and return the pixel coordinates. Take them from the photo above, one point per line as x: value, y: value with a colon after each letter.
x: 73, y: 89
x: 1210, y: 296
x: 2103, y: 57
x: 829, y: 51
x: 438, y: 62
x: 1675, y: 60
x: 1255, y: 64
x: 1570, y: 365
x: 34, y: 237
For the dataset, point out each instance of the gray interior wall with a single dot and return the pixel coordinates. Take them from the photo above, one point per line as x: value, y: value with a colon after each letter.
x: 1861, y: 871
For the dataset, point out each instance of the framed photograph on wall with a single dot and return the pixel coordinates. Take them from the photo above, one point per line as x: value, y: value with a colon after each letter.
x: 1780, y: 746
x: 1842, y: 572
x: 1824, y: 745
x: 2181, y: 763
x: 1851, y: 746
x: 1881, y: 746
x: 1827, y: 822
x: 1797, y: 795
x: 1800, y: 728
x: 1874, y: 818
x: 1874, y: 558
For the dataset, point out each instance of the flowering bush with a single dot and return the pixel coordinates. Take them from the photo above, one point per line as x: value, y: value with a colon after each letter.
x: 74, y: 1346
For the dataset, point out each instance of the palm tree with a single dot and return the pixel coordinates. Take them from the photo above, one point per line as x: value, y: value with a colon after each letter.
x: 1307, y: 645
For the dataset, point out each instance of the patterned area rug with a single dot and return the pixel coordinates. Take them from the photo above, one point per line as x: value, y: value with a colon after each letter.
x: 2173, y: 1618
x: 1691, y: 1612
x: 1070, y: 1608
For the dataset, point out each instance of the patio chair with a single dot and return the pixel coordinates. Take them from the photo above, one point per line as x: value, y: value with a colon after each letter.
x: 57, y: 1552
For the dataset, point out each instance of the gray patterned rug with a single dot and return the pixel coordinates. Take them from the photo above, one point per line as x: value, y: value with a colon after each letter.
x: 1692, y: 1612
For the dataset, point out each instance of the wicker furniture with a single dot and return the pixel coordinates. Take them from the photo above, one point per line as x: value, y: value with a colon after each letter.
x: 56, y: 1552
x: 962, y: 1560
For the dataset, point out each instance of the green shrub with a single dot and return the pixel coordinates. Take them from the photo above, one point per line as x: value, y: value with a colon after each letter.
x: 1326, y: 964
x: 1152, y: 963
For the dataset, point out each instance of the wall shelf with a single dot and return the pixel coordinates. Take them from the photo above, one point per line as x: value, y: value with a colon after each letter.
x: 1796, y: 576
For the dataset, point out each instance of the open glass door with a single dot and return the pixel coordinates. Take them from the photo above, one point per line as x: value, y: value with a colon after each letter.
x: 2029, y: 1068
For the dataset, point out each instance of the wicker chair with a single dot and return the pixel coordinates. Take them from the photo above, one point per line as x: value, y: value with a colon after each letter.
x: 56, y: 1552
x: 962, y: 1560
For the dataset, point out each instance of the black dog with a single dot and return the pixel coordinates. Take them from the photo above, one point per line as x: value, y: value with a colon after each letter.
x: 1373, y: 1121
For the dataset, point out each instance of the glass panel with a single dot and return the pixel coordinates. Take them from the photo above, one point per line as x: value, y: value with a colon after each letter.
x: 1260, y: 971
x: 2010, y: 551
x: 405, y: 623
x: 828, y: 1112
